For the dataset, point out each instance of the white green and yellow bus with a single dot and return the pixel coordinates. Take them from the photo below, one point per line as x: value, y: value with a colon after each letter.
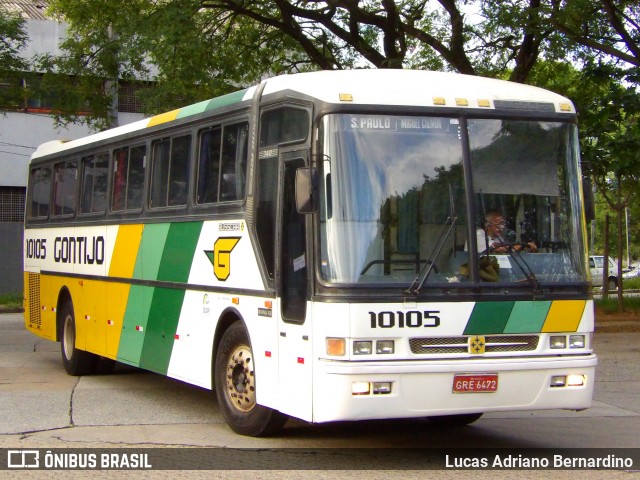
x: 314, y: 246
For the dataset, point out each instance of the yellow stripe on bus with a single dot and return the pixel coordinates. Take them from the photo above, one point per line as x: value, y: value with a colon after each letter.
x: 163, y: 118
x: 125, y: 251
x: 123, y: 262
x: 564, y: 316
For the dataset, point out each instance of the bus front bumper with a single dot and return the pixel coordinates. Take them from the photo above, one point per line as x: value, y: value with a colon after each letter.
x: 422, y: 389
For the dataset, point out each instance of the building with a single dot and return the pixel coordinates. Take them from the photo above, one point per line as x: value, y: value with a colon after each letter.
x: 24, y: 128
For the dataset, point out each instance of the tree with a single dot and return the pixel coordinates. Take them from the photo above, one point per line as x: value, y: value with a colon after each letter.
x: 13, y: 39
x: 190, y: 54
x: 604, y: 28
x: 195, y: 49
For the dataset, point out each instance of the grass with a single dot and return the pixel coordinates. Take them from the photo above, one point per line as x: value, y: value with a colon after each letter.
x: 11, y: 300
x: 631, y: 283
x: 631, y: 304
x: 610, y: 305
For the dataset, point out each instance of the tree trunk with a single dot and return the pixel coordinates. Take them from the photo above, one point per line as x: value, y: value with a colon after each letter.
x: 605, y: 264
x: 619, y: 213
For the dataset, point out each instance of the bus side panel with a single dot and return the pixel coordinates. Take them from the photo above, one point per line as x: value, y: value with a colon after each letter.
x: 225, y: 257
x: 90, y: 305
x: 50, y: 288
x: 191, y: 357
x: 126, y: 243
x: 116, y: 295
x: 151, y: 318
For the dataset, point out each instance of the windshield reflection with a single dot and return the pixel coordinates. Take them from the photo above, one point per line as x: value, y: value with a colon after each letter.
x: 392, y: 183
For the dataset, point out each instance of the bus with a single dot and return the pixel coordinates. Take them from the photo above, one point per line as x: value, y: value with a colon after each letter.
x: 309, y: 247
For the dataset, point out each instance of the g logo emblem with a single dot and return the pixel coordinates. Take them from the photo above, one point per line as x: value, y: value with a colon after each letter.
x: 222, y: 256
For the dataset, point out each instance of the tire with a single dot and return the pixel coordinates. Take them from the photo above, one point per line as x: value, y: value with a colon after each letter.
x: 235, y: 387
x: 76, y: 362
x: 455, y: 420
x: 612, y: 284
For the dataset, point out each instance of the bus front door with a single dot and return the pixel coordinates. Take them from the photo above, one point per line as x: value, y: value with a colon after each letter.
x: 293, y: 327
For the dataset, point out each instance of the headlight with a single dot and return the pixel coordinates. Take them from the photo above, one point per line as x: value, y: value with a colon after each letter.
x: 385, y: 346
x: 362, y: 347
x: 577, y: 341
x: 557, y: 342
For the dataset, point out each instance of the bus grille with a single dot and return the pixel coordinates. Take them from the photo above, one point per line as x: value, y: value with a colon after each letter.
x: 35, y: 314
x: 494, y: 344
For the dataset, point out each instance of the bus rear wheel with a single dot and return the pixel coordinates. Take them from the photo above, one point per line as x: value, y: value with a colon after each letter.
x: 234, y: 379
x: 76, y: 362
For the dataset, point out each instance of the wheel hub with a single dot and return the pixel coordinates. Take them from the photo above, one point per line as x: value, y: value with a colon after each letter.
x: 240, y: 379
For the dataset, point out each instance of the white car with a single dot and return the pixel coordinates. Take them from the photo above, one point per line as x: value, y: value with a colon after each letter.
x: 596, y: 265
x: 634, y: 271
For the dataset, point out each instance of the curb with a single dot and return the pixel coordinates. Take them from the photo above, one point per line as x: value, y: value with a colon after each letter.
x: 11, y: 310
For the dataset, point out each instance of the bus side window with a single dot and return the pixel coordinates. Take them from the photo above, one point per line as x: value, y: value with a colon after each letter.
x: 233, y: 162
x: 209, y: 166
x: 40, y: 192
x: 95, y: 171
x: 170, y: 171
x: 128, y: 178
x: 120, y: 172
x: 179, y: 174
x: 284, y: 125
x: 135, y: 183
x: 64, y: 188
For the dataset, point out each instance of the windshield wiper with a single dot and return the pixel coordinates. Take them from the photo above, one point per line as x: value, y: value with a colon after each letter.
x: 417, y: 284
x: 528, y: 271
x: 447, y: 228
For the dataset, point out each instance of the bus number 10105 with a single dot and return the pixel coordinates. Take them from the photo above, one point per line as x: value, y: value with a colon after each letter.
x: 411, y: 319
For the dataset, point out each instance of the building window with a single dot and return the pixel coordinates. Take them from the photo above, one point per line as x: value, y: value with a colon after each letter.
x: 12, y: 200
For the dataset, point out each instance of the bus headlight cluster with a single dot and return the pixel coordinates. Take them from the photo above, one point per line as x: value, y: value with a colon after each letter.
x: 573, y: 380
x: 365, y: 347
x: 336, y: 347
x: 559, y: 342
x: 368, y: 388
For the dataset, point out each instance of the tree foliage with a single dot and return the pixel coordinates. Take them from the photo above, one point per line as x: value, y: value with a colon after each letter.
x: 13, y: 39
x: 588, y: 50
x: 194, y: 49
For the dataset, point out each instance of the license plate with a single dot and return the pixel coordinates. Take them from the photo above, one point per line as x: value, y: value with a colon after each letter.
x: 479, y: 383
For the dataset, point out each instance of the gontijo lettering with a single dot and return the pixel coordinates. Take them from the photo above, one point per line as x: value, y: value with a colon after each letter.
x: 79, y: 250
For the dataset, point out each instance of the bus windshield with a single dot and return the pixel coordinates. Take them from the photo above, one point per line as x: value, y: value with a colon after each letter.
x: 395, y: 206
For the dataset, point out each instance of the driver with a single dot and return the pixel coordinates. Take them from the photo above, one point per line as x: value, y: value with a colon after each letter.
x: 490, y: 239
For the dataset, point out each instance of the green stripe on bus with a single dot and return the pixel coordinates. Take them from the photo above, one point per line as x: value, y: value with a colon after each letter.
x: 134, y: 326
x: 179, y: 248
x: 488, y: 317
x: 160, y: 334
x: 225, y: 100
x: 164, y: 313
x: 150, y: 252
x: 193, y: 109
x: 212, y: 104
x: 527, y: 317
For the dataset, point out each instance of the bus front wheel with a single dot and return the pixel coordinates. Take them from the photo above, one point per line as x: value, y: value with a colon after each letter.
x: 235, y: 386
x: 76, y: 362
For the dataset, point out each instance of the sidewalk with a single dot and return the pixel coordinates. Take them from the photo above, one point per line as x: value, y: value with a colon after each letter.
x: 617, y: 322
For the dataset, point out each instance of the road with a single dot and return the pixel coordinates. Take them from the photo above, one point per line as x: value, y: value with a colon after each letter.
x: 45, y: 408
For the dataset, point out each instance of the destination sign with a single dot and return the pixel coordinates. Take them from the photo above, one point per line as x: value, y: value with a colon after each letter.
x: 395, y: 123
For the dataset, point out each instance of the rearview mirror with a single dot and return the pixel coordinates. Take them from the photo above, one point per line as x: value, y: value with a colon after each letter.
x: 307, y: 190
